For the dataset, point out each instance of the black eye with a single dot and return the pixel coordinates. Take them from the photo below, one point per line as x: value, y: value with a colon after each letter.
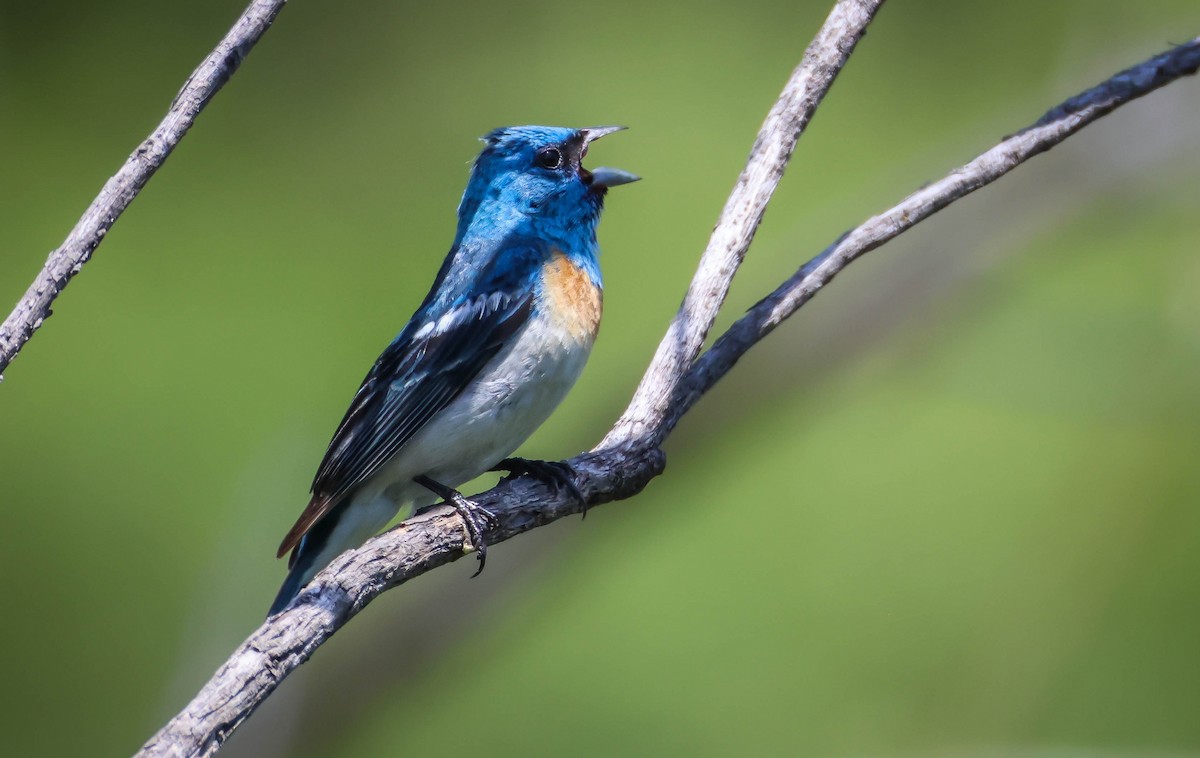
x: 550, y: 157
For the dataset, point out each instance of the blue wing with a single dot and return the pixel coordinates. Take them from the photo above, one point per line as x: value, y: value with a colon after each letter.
x: 429, y: 365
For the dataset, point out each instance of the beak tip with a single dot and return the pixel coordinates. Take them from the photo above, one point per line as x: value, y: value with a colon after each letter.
x: 592, y: 133
x: 613, y: 177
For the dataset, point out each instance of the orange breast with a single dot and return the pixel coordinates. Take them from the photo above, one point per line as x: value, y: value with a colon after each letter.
x: 571, y: 298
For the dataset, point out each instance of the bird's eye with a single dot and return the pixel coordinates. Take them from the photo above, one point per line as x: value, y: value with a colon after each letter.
x: 550, y: 157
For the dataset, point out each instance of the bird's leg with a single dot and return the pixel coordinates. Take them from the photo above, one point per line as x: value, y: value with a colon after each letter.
x: 558, y: 474
x: 476, y: 518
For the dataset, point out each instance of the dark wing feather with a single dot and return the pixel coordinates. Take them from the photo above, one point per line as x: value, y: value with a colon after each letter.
x: 418, y: 375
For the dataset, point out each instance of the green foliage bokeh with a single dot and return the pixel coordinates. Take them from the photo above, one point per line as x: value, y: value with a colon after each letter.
x: 950, y: 508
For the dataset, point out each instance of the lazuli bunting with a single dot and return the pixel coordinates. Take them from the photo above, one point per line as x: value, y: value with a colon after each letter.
x: 499, y: 340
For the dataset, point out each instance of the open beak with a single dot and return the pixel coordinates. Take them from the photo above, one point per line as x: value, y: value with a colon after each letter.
x: 605, y: 176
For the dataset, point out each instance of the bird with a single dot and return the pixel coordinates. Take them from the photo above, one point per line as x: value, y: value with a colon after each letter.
x: 491, y: 351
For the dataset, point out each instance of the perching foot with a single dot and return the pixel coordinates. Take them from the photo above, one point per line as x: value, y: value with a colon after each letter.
x: 477, y: 519
x: 557, y: 474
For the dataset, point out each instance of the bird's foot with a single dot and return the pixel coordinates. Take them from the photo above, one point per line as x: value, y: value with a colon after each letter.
x: 476, y: 518
x: 558, y: 474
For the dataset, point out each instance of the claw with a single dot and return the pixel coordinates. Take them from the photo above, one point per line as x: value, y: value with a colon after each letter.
x: 557, y: 474
x: 476, y: 518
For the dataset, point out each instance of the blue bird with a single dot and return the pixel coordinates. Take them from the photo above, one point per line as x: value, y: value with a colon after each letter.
x: 499, y: 340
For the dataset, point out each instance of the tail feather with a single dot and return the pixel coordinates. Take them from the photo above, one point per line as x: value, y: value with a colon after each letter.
x: 311, y: 553
x: 347, y: 525
x: 297, y: 577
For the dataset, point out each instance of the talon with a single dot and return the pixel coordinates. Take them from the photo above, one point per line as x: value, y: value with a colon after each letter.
x: 558, y: 474
x: 476, y: 520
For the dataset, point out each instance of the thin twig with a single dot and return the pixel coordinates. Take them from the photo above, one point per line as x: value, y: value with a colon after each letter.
x: 120, y: 190
x: 743, y: 212
x: 611, y: 472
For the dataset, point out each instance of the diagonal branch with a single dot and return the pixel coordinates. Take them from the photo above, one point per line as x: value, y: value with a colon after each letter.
x: 120, y: 190
x: 613, y: 471
x: 743, y: 212
x: 1059, y: 123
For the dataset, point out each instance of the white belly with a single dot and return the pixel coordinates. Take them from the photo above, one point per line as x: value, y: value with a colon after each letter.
x: 513, y: 395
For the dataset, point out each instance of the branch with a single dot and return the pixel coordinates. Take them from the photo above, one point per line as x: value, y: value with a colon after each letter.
x: 743, y: 212
x: 621, y: 469
x: 120, y: 190
x: 1059, y: 123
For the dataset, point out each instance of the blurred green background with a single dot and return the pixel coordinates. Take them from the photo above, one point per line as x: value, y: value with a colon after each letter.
x: 949, y: 509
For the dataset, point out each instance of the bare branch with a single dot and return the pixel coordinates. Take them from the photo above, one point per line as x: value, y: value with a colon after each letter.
x: 613, y: 471
x: 354, y: 579
x: 120, y: 190
x: 1059, y: 123
x: 743, y: 212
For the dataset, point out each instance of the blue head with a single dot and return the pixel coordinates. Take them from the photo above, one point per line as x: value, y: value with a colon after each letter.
x: 531, y: 179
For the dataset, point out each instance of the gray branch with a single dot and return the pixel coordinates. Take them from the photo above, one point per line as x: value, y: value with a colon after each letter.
x: 630, y: 458
x: 1059, y: 123
x: 120, y: 190
x: 743, y: 212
